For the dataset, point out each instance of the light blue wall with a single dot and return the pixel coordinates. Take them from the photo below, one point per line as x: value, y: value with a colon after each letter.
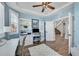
x: 76, y: 24
x: 6, y: 14
x: 61, y: 13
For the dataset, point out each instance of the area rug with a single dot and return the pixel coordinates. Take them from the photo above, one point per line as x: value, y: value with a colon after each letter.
x: 42, y: 50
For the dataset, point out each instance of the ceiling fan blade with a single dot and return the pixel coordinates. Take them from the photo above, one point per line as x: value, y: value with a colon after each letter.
x: 43, y: 9
x: 36, y: 5
x: 49, y: 2
x: 50, y: 7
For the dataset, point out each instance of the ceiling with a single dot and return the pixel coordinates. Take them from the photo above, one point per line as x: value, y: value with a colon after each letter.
x: 27, y: 7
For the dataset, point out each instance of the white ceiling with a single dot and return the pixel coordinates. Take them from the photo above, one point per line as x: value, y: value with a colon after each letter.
x: 27, y: 7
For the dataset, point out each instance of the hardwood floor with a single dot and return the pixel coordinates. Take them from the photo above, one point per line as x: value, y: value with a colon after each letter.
x: 60, y: 45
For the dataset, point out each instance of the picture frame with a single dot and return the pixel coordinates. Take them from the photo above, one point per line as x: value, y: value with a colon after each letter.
x: 35, y: 23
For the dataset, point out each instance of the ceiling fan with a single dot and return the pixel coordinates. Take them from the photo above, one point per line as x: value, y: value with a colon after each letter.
x: 44, y: 6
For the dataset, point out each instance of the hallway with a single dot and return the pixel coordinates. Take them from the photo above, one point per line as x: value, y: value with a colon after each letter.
x: 60, y: 45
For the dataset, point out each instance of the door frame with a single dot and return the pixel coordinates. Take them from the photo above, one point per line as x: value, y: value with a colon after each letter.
x: 71, y: 33
x: 61, y: 18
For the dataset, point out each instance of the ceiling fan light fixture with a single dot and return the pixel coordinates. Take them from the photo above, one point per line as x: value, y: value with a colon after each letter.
x: 45, y: 5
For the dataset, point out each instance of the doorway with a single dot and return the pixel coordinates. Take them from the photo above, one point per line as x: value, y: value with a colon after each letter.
x: 63, y: 35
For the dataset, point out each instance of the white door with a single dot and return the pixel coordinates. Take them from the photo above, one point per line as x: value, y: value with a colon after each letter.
x: 50, y: 32
x: 70, y: 31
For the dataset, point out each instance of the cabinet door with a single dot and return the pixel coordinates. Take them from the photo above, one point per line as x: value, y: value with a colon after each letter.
x: 50, y: 32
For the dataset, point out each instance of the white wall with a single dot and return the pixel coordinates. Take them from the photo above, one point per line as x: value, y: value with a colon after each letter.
x: 50, y: 31
x: 41, y: 28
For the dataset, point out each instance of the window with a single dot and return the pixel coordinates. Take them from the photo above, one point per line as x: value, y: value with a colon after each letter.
x: 1, y: 18
x: 13, y: 21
